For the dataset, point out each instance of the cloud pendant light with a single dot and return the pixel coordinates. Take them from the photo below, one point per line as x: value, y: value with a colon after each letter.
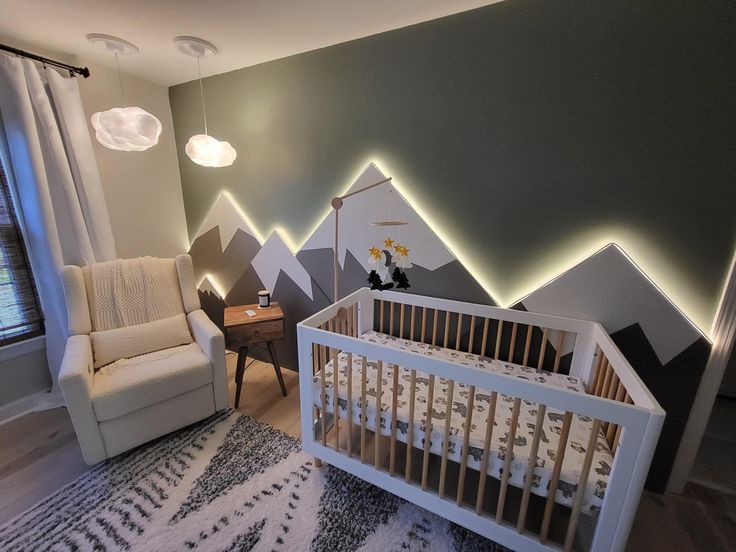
x: 204, y: 149
x: 123, y: 128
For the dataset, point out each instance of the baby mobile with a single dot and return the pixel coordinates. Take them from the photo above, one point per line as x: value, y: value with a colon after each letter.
x: 390, y: 258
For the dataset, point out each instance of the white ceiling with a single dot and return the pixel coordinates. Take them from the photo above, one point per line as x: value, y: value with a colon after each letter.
x: 246, y: 32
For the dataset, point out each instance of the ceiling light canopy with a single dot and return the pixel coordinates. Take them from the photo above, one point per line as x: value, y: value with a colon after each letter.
x: 204, y: 149
x: 123, y: 128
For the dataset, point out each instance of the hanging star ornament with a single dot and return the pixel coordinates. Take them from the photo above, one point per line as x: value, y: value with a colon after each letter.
x: 388, y: 242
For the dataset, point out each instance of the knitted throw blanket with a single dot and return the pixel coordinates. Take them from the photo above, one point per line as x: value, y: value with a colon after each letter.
x: 127, y: 292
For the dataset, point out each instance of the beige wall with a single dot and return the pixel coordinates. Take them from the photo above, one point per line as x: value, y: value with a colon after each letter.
x: 143, y: 194
x: 142, y: 189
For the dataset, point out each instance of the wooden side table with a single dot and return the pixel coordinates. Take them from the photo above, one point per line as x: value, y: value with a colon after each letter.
x: 243, y: 331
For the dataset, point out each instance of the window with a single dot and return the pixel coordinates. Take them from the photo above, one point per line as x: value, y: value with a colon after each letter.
x: 20, y: 313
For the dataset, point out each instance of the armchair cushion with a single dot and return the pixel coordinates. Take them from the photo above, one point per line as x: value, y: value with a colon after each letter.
x: 130, y: 384
x: 133, y: 341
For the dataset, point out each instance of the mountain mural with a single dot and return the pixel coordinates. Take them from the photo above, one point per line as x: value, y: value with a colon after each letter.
x: 233, y: 263
x: 435, y: 269
x: 664, y: 347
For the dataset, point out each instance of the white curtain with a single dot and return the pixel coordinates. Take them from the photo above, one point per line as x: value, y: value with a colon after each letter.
x: 57, y: 184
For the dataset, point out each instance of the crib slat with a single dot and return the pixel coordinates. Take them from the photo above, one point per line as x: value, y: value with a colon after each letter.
x: 582, y: 483
x: 350, y: 405
x: 335, y: 396
x: 446, y: 444
x: 472, y: 334
x: 391, y: 318
x: 424, y: 324
x: 512, y: 345
x: 315, y: 358
x: 411, y: 323
x: 363, y: 406
x: 597, y: 373
x: 612, y: 429
x: 558, y: 353
x: 434, y: 327
x: 607, y: 380
x: 528, y: 344
x: 529, y: 478
x: 613, y: 387
x: 446, y: 342
x: 542, y: 349
x: 380, y: 317
x: 323, y: 386
x: 499, y: 335
x: 508, y: 455
x: 614, y: 444
x: 554, y: 481
x: 316, y: 413
x: 427, y: 431
x: 466, y: 441
x: 401, y: 321
x: 377, y: 432
x: 490, y: 420
x: 349, y: 321
x: 484, y: 341
x: 394, y: 420
x: 458, y: 334
x: 410, y: 428
x: 612, y: 390
x: 602, y: 378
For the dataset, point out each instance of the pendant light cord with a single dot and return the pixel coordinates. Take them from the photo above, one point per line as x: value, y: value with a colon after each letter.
x: 120, y: 80
x: 201, y: 95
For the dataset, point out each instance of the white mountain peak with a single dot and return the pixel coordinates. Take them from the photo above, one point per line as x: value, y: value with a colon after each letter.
x: 208, y: 284
x: 610, y: 288
x: 358, y: 234
x: 275, y: 256
x: 226, y: 214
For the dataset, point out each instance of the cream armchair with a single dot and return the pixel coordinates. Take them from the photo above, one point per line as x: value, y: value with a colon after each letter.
x: 133, y: 400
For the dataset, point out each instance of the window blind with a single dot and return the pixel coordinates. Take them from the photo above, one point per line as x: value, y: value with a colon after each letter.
x: 20, y: 312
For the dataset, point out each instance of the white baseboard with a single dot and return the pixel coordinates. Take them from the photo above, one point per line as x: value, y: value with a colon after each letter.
x: 20, y: 407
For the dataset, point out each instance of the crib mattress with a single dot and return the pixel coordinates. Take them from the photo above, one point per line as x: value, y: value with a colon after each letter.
x: 576, y: 444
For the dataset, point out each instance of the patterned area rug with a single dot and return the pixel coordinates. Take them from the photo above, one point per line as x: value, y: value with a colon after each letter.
x: 228, y: 483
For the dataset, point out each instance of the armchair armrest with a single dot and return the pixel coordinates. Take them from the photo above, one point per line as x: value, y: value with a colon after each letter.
x: 212, y: 342
x: 75, y: 381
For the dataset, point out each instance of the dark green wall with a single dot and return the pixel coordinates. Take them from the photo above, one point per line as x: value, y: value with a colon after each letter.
x: 528, y: 131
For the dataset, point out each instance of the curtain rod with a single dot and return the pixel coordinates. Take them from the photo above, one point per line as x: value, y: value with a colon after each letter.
x: 84, y: 71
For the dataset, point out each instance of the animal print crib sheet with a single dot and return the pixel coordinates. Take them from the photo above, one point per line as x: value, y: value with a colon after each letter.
x: 577, y: 440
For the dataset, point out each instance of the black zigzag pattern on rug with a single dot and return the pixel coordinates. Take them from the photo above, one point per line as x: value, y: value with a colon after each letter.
x: 113, y: 499
x: 162, y: 496
x: 249, y: 449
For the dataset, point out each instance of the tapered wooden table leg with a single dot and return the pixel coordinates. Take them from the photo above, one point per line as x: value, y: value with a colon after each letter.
x: 277, y: 367
x: 239, y: 371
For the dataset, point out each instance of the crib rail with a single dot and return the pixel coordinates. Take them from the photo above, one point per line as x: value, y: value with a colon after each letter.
x: 617, y: 402
x: 487, y: 336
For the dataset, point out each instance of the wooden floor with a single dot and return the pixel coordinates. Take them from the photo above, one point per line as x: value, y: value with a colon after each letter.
x: 39, y: 454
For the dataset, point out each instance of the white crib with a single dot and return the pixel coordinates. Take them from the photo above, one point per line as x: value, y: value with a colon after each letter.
x: 546, y: 406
